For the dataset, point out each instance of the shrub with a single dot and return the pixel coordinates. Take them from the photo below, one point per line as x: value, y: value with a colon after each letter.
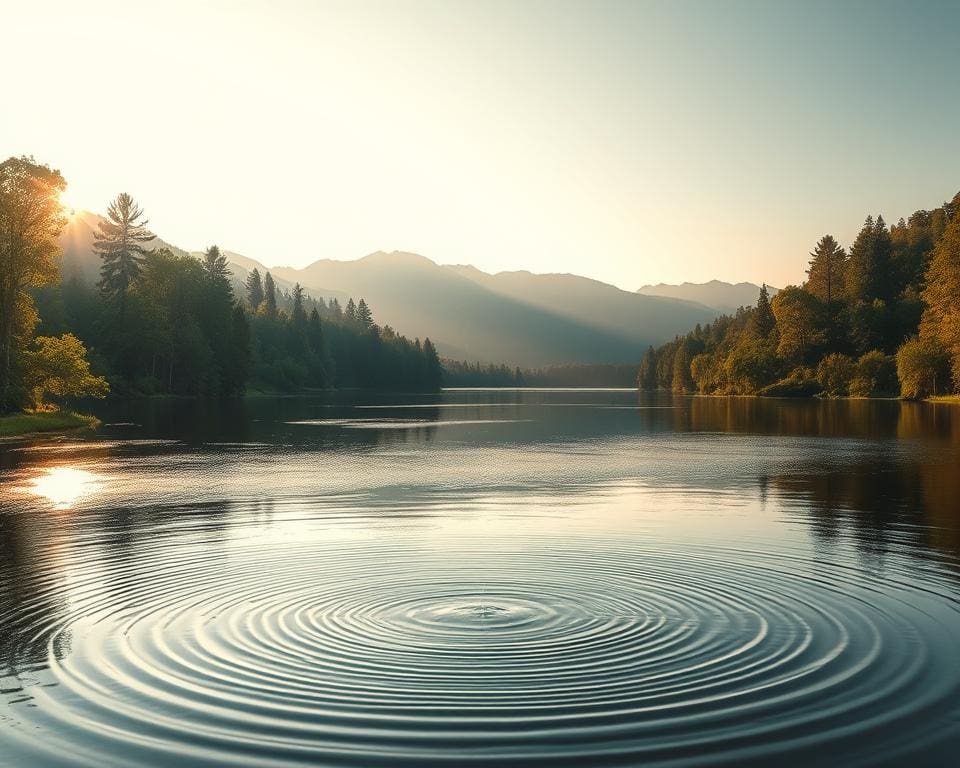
x: 875, y: 374
x: 922, y: 368
x: 834, y: 374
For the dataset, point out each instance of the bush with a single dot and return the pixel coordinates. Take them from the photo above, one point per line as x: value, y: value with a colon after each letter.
x: 922, y: 368
x: 800, y: 383
x: 875, y: 374
x: 835, y: 373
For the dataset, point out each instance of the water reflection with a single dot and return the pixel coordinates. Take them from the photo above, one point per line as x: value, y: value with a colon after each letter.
x: 63, y: 486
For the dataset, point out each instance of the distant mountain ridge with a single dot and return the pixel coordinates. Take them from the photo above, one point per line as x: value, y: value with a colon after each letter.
x: 518, y: 318
x: 716, y: 294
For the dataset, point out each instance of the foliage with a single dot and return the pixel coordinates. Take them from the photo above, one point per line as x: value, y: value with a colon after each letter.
x: 834, y: 373
x: 58, y: 366
x: 922, y: 368
x: 31, y: 218
x: 875, y: 374
x: 898, y: 291
x: 940, y: 324
x: 801, y: 382
x: 120, y: 243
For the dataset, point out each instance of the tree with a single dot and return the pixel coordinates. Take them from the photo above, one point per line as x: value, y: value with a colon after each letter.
x: 215, y: 265
x: 434, y: 371
x: 119, y: 242
x: 868, y: 273
x: 681, y: 380
x: 763, y: 320
x: 798, y: 315
x: 834, y: 373
x: 269, y: 295
x: 350, y: 313
x: 239, y: 364
x: 750, y: 366
x: 364, y: 315
x: 940, y: 323
x: 299, y: 316
x: 31, y: 219
x: 703, y: 372
x: 647, y: 376
x: 875, y: 374
x: 58, y: 366
x: 825, y: 273
x: 921, y: 368
x: 255, y: 294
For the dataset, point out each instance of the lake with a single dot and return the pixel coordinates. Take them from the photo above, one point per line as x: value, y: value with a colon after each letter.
x: 513, y: 577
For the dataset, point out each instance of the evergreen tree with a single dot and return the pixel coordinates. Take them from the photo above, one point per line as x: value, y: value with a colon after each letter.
x: 364, y: 315
x: 119, y: 242
x: 647, y: 376
x: 868, y: 273
x: 350, y: 313
x: 763, y: 320
x: 215, y: 265
x: 825, y: 273
x: 299, y: 316
x: 335, y: 309
x: 434, y: 371
x: 269, y: 295
x: 254, y: 290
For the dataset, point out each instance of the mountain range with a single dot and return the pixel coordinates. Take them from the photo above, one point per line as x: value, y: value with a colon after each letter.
x: 518, y: 318
x: 725, y: 298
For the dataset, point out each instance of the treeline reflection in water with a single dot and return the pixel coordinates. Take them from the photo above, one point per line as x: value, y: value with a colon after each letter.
x: 514, y: 576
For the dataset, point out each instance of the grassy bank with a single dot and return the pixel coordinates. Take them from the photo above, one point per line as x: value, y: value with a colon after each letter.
x: 54, y: 421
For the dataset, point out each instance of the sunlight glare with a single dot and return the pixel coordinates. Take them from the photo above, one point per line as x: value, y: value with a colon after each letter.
x: 64, y: 486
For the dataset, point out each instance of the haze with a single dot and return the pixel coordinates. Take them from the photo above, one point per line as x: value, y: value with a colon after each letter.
x: 628, y: 142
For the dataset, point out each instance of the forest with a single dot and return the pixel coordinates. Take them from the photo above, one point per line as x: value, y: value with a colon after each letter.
x: 160, y: 323
x: 882, y: 319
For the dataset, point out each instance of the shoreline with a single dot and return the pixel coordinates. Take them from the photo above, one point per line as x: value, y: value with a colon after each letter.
x: 26, y: 424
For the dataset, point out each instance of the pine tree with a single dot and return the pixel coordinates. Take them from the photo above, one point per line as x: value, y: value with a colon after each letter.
x: 647, y: 376
x: 364, y: 315
x: 299, y: 313
x: 434, y: 371
x: 254, y: 289
x: 825, y: 273
x: 119, y: 242
x: 868, y: 270
x: 350, y: 313
x: 215, y: 265
x: 763, y: 320
x: 269, y: 295
x: 335, y: 309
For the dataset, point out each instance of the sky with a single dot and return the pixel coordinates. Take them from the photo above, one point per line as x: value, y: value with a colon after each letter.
x: 632, y: 142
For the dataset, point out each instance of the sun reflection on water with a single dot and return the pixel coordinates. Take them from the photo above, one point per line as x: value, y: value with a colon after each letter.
x: 64, y: 486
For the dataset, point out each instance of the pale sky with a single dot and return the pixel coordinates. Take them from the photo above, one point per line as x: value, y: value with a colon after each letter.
x: 633, y: 142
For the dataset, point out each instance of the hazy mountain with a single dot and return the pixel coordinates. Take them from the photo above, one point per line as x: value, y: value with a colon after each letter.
x: 514, y: 317
x: 718, y: 295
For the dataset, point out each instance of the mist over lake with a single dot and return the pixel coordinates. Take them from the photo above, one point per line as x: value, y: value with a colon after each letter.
x: 523, y: 577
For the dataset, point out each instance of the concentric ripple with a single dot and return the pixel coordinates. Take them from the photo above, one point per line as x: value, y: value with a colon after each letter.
x: 419, y: 648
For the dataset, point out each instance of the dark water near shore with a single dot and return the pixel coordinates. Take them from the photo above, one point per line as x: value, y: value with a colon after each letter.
x: 485, y: 577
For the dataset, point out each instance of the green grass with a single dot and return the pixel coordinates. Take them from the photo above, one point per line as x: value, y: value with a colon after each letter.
x: 54, y: 421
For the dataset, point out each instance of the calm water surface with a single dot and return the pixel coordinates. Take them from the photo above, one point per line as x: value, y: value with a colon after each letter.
x: 484, y: 577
